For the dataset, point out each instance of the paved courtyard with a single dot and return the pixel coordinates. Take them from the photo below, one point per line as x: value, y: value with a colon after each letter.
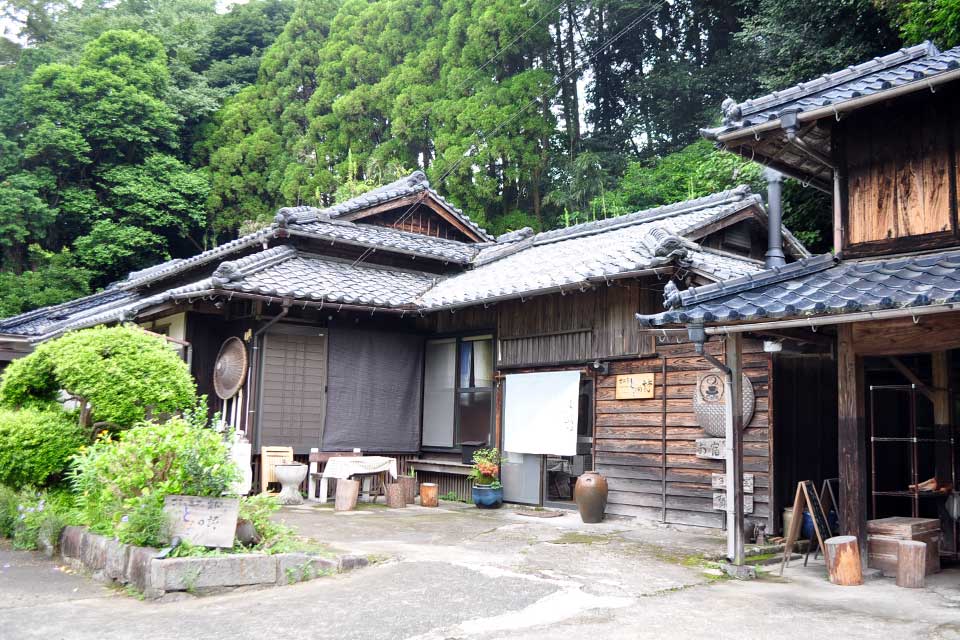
x: 459, y: 573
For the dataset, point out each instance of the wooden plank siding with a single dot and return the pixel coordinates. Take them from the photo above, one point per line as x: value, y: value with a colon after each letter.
x: 576, y: 327
x: 901, y: 165
x: 629, y: 443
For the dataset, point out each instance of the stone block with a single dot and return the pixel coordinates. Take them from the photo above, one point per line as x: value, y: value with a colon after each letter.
x: 70, y: 540
x: 740, y: 572
x: 300, y: 567
x: 189, y: 574
x: 137, y: 571
x: 351, y: 562
x: 93, y: 551
x: 115, y: 565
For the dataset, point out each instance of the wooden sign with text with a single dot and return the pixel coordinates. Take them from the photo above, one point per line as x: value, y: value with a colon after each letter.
x: 208, y: 522
x: 720, y: 502
x: 711, y: 448
x: 719, y: 481
x: 635, y: 386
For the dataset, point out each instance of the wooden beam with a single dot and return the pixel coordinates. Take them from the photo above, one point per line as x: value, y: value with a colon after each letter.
x: 942, y: 418
x: 903, y: 335
x: 852, y: 439
x: 912, y: 377
x: 734, y: 349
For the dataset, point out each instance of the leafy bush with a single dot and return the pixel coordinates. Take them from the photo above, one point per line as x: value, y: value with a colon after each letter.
x: 37, y: 519
x: 35, y: 446
x: 120, y: 484
x: 118, y: 375
x: 8, y: 511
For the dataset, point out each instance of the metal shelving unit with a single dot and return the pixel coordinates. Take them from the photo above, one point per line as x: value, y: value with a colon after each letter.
x: 950, y: 528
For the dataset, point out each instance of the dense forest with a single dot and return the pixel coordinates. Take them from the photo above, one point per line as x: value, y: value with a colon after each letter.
x: 132, y: 131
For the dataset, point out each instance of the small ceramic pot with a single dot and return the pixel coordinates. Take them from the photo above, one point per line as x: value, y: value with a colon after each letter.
x: 486, y: 497
x: 591, y: 496
x: 290, y: 476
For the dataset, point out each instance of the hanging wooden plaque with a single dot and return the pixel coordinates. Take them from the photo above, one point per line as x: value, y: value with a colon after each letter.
x: 634, y: 386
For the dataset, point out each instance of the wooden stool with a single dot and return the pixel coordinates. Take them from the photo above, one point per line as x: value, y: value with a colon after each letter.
x: 843, y: 560
x: 911, y: 563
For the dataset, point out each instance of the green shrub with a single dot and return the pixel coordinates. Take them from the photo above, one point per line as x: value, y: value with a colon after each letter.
x: 40, y: 517
x: 35, y: 446
x: 119, y: 375
x: 8, y: 511
x: 120, y: 484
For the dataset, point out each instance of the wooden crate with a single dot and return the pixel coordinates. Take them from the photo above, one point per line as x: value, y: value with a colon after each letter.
x: 884, y: 534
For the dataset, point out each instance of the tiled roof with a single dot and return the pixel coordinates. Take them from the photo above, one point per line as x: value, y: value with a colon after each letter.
x: 919, y: 63
x: 40, y: 322
x: 573, y: 257
x: 820, y: 286
x: 518, y: 264
x: 377, y: 237
x: 410, y: 185
x: 307, y: 277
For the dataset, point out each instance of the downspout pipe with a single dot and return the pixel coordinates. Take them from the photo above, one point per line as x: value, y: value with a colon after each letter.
x: 698, y: 336
x: 774, y: 256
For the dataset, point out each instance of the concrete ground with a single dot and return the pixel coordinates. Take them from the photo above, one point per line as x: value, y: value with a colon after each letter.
x: 460, y: 573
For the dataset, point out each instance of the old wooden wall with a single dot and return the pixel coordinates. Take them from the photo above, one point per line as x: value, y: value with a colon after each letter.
x: 901, y: 163
x: 640, y: 463
x: 574, y: 328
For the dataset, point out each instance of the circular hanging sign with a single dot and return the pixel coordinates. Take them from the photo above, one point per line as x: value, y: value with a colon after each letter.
x: 709, y: 402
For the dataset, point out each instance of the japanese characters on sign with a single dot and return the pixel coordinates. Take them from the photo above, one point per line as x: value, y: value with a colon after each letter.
x: 635, y: 386
x: 208, y: 522
x: 711, y: 448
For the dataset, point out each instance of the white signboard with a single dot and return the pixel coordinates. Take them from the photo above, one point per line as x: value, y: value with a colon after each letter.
x: 208, y: 522
x: 719, y: 481
x: 720, y: 502
x: 540, y: 413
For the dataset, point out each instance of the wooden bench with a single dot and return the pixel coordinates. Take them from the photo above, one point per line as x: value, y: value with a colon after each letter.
x: 452, y: 467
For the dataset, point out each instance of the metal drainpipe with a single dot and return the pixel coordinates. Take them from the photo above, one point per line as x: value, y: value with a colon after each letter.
x: 254, y: 363
x: 774, y: 256
x: 663, y: 438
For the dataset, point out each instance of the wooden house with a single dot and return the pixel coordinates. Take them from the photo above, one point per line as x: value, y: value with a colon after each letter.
x: 394, y: 324
x: 883, y: 138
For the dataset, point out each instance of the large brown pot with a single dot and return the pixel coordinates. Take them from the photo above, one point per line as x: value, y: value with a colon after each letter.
x: 591, y: 496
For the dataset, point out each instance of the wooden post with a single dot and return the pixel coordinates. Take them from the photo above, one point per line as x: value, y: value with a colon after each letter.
x: 941, y: 417
x: 843, y: 561
x: 347, y: 493
x: 911, y: 563
x: 851, y: 440
x: 734, y: 349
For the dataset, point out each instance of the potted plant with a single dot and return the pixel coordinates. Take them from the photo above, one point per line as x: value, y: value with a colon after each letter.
x: 487, y: 490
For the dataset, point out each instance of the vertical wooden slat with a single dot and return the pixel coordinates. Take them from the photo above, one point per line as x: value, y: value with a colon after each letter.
x: 735, y: 364
x: 851, y: 439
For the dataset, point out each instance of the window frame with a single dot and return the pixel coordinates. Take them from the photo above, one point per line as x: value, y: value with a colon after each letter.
x: 459, y: 339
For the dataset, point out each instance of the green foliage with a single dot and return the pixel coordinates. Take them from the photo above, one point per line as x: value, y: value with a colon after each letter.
x: 119, y: 375
x: 694, y: 171
x: 919, y: 20
x: 40, y: 517
x: 120, y: 484
x: 486, y: 467
x: 9, y: 514
x: 35, y: 446
x: 52, y: 278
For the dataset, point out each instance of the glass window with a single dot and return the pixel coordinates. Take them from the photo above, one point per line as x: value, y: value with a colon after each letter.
x: 458, y: 391
x: 438, y: 393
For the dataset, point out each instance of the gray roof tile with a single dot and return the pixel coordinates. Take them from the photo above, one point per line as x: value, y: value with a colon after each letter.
x: 918, y: 63
x: 819, y: 286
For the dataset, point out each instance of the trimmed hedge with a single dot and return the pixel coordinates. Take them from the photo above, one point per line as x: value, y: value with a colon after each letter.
x: 36, y: 446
